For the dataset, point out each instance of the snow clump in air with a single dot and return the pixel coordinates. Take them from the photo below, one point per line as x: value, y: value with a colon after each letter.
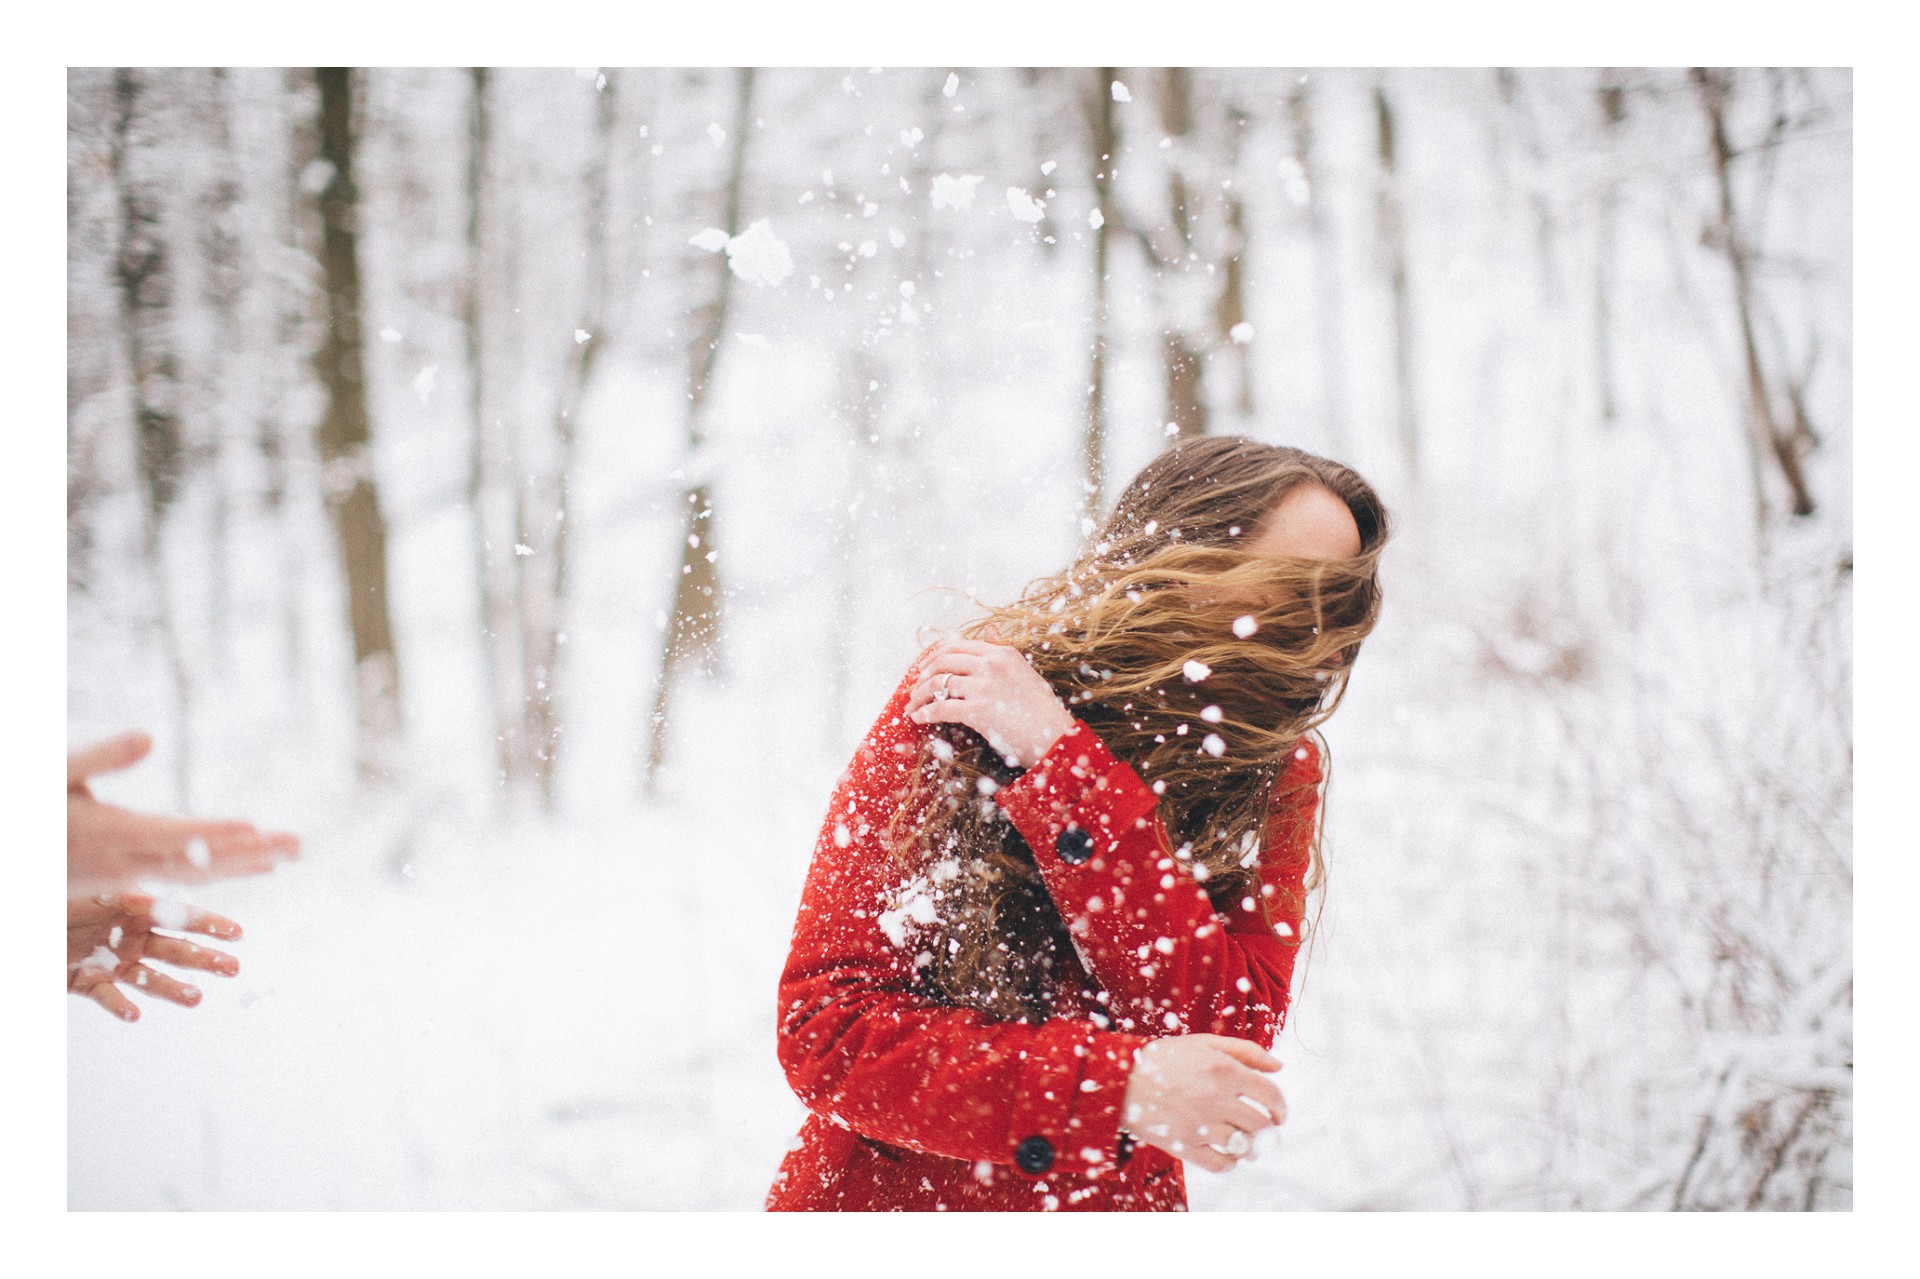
x: 1120, y: 93
x: 950, y: 192
x: 1244, y: 625
x: 1241, y: 333
x: 1214, y: 745
x: 952, y: 86
x: 758, y: 256
x: 713, y: 239
x: 1196, y: 670
x: 1096, y: 219
x: 1023, y: 206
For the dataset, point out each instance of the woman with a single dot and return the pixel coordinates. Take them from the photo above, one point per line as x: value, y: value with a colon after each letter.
x: 1053, y: 912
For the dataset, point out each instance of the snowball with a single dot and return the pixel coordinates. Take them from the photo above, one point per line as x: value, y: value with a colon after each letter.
x: 758, y: 256
x: 1211, y: 714
x: 1120, y: 93
x: 1023, y: 206
x: 1094, y: 220
x: 1048, y: 168
x: 1196, y: 670
x: 581, y: 337
x: 1241, y: 333
x: 1244, y: 625
x: 1213, y: 745
x: 950, y: 192
x: 713, y: 239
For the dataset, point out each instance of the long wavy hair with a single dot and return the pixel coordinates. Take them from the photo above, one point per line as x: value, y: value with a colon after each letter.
x: 1198, y: 662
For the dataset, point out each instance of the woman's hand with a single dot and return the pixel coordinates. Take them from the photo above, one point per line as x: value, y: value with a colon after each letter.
x: 110, y: 937
x: 1190, y: 1096
x: 991, y: 689
x: 108, y: 847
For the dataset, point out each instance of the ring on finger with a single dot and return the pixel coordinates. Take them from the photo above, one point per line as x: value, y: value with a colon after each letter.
x: 942, y: 693
x: 1237, y: 1145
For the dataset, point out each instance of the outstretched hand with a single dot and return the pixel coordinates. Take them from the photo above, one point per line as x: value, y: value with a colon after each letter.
x: 991, y: 689
x: 109, y: 847
x: 110, y: 939
x: 1202, y: 1098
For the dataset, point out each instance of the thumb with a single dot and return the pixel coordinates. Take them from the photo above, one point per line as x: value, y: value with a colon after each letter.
x: 1247, y: 1054
x: 109, y: 756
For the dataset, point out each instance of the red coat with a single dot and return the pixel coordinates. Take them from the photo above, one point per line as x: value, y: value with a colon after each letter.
x: 920, y: 1105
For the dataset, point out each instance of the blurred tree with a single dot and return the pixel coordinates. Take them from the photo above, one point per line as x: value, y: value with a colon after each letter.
x: 1391, y: 219
x: 493, y: 573
x: 693, y: 628
x: 144, y: 273
x: 1307, y: 190
x: 1786, y: 442
x: 543, y: 577
x: 352, y: 492
x: 1102, y: 147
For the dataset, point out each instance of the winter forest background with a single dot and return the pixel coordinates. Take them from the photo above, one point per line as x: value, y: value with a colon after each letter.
x: 528, y: 485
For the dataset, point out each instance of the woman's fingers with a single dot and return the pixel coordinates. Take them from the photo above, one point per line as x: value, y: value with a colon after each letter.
x: 184, y: 954
x: 190, y: 850
x: 1249, y: 1119
x: 108, y: 996
x: 110, y: 756
x: 1247, y: 1054
x: 182, y: 918
x: 1207, y: 1157
x: 155, y: 982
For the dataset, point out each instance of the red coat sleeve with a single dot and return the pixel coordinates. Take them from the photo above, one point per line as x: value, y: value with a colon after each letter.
x: 1169, y: 962
x: 861, y: 1046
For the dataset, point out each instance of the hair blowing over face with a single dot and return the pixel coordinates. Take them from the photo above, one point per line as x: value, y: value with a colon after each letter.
x: 1162, y: 584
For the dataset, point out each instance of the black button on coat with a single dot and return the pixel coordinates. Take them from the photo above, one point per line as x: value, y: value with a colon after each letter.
x: 1074, y: 846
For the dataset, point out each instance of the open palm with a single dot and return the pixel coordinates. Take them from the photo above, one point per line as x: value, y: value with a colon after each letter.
x: 111, y: 938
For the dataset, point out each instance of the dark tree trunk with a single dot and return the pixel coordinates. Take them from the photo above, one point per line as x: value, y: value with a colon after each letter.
x: 693, y: 629
x: 143, y: 272
x: 1393, y: 247
x: 353, y: 497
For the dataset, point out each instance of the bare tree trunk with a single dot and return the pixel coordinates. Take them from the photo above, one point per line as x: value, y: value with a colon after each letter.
x: 144, y: 275
x: 1181, y: 354
x: 224, y: 280
x: 353, y: 497
x: 543, y: 616
x: 693, y: 630
x: 277, y: 436
x: 1393, y: 248
x: 1613, y: 113
x: 1230, y: 311
x: 1093, y: 445
x: 1326, y: 274
x: 1765, y: 435
x: 491, y: 564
